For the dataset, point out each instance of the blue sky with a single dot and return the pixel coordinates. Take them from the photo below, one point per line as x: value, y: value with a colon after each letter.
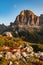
x: 9, y: 9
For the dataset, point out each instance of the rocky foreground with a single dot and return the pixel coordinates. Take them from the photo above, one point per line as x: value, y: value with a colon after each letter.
x: 22, y: 53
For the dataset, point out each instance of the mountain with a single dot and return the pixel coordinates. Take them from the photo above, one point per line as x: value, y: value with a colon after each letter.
x: 27, y: 17
x: 27, y: 26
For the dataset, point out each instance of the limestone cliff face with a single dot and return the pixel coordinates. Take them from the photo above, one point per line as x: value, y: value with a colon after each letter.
x: 27, y: 17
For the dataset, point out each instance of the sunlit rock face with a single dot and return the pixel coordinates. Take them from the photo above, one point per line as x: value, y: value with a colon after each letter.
x: 23, y: 13
x: 27, y: 17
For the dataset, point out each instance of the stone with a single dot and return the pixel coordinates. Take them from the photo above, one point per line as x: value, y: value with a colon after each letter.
x: 9, y: 34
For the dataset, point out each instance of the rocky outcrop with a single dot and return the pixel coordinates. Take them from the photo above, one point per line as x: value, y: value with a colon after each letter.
x: 9, y: 34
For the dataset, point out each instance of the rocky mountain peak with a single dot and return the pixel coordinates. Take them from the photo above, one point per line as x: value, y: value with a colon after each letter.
x: 27, y: 17
x: 26, y: 12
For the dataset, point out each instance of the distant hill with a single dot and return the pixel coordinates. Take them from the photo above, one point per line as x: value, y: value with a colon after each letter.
x: 2, y: 28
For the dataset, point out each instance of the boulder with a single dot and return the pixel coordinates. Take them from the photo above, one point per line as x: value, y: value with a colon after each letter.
x: 7, y: 34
